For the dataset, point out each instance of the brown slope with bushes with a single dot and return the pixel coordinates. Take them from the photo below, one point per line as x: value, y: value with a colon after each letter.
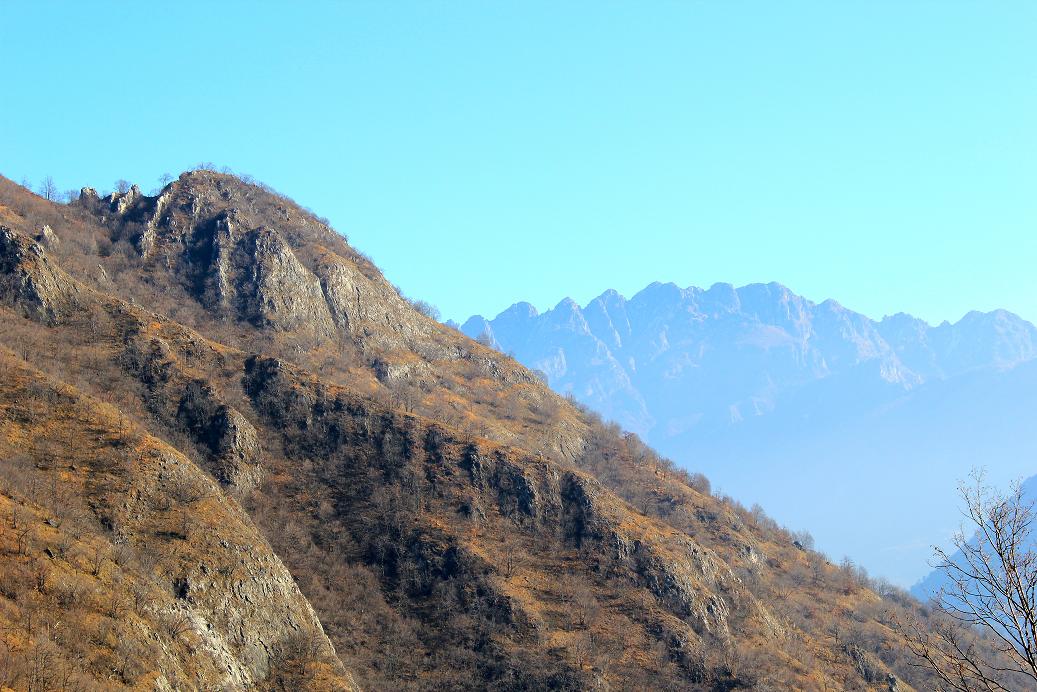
x: 452, y: 522
x: 123, y: 564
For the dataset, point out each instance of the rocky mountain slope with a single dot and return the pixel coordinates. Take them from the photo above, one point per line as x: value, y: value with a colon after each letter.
x: 207, y: 390
x: 755, y: 385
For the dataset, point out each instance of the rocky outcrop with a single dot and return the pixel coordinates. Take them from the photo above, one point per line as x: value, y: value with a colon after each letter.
x: 371, y: 311
x: 238, y: 595
x: 212, y: 250
x: 275, y: 289
x: 692, y: 581
x: 47, y: 237
x: 120, y: 202
x: 228, y: 444
x: 230, y: 441
x: 870, y: 670
x: 236, y: 239
x: 30, y: 283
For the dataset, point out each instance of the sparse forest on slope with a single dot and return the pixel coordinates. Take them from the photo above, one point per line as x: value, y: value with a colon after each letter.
x: 213, y: 386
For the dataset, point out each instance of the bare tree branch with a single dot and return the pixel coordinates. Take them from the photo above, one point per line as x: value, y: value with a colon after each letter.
x: 989, y: 597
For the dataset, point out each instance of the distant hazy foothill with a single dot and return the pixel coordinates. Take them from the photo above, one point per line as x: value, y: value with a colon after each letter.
x: 855, y: 428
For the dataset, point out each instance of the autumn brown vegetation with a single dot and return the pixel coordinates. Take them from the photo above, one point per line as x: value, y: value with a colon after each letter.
x: 213, y: 370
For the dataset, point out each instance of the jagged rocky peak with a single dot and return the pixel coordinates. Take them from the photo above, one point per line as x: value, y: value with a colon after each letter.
x: 251, y: 257
x: 567, y: 315
x: 478, y: 327
x: 520, y: 310
x: 659, y: 295
x: 247, y: 253
x: 773, y: 303
x: 119, y: 202
x: 902, y: 325
x: 668, y: 344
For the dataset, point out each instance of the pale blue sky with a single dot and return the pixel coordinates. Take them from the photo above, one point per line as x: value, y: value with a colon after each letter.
x: 880, y: 153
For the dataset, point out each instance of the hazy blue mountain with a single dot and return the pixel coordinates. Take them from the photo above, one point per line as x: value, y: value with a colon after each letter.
x: 855, y: 429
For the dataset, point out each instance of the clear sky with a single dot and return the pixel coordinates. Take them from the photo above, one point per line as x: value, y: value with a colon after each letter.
x: 880, y: 153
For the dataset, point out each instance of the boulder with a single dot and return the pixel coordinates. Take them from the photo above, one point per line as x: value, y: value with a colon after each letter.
x: 47, y: 237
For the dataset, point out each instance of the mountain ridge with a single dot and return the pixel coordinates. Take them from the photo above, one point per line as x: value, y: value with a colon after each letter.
x: 449, y: 520
x: 908, y: 351
x: 900, y: 324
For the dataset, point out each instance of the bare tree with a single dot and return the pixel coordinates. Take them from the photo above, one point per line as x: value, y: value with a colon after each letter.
x: 48, y: 190
x: 122, y: 186
x: 990, y: 594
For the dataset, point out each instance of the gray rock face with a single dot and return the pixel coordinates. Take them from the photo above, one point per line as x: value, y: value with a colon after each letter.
x: 47, y: 237
x: 241, y: 601
x: 121, y: 202
x: 247, y: 257
x: 867, y: 666
x: 275, y: 289
x: 230, y: 440
x: 30, y: 283
x: 237, y: 448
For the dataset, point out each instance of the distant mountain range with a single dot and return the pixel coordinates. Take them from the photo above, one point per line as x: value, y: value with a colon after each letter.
x: 853, y: 428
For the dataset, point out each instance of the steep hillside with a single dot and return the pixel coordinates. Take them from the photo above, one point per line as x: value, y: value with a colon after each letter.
x: 123, y: 564
x: 766, y: 391
x: 452, y: 522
